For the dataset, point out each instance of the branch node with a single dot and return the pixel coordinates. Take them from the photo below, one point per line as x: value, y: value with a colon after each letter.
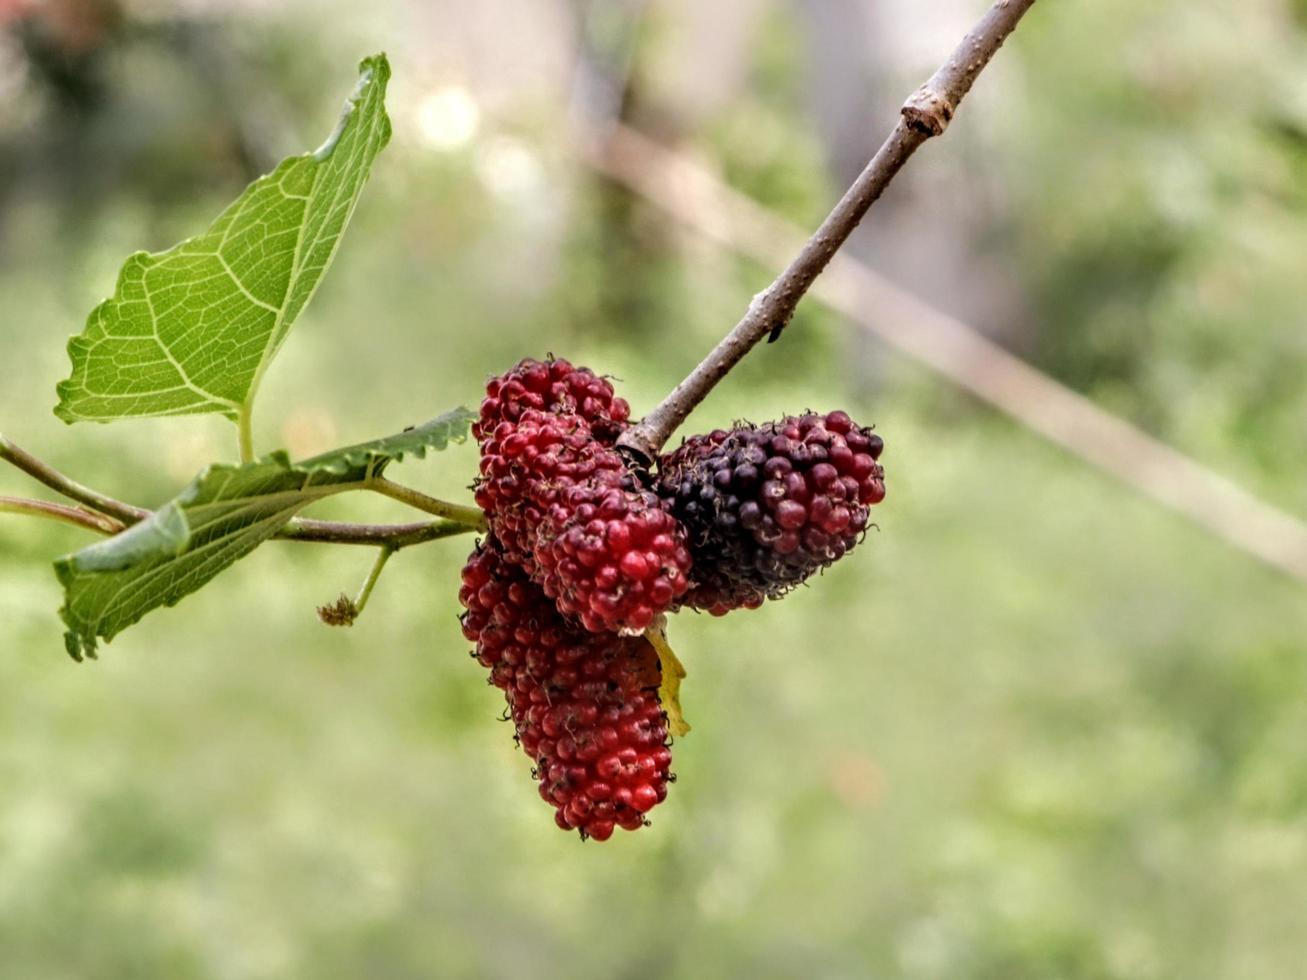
x: 637, y: 451
x: 928, y: 111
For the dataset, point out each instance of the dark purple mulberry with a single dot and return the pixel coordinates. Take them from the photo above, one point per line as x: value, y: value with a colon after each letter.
x: 767, y: 506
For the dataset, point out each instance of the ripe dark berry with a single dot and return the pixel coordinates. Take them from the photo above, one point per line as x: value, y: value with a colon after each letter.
x: 585, y: 705
x: 767, y: 506
x: 568, y: 510
x: 557, y: 386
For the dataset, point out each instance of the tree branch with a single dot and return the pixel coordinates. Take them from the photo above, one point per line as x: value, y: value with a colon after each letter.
x: 393, y: 536
x: 75, y: 516
x: 700, y: 200
x: 926, y: 113
x: 110, y: 516
x: 68, y: 487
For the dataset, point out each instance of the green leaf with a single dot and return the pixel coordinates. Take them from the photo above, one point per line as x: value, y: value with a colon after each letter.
x: 223, y: 515
x: 193, y: 329
x: 436, y: 434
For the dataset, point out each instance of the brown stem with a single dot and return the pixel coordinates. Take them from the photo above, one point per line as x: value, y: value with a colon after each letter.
x: 68, y: 487
x: 75, y: 516
x: 926, y: 113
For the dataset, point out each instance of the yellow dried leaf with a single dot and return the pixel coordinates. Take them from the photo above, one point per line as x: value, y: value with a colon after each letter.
x: 669, y: 691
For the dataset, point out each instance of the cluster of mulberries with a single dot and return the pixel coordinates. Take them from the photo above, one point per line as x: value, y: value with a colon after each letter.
x: 584, y: 553
x: 766, y: 506
x: 581, y: 559
x: 585, y: 705
x: 565, y: 505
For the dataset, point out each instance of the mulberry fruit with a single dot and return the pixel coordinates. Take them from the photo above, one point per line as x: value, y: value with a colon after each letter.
x: 528, y: 464
x: 585, y: 705
x: 568, y: 510
x: 767, y: 506
x: 613, y: 558
x: 557, y: 386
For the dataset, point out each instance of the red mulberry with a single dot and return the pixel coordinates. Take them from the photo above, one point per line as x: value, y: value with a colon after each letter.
x: 553, y: 386
x: 585, y: 705
x: 613, y: 558
x: 528, y: 464
x: 568, y: 510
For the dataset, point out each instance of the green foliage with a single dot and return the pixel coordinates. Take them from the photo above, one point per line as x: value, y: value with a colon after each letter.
x: 223, y: 515
x: 194, y: 328
x: 1040, y: 729
x: 436, y: 434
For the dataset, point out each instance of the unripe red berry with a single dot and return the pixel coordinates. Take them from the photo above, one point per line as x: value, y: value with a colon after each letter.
x: 554, y: 386
x: 564, y: 504
x: 585, y: 705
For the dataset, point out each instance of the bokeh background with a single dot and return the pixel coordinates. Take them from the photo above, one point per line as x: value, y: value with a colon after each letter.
x: 1037, y: 726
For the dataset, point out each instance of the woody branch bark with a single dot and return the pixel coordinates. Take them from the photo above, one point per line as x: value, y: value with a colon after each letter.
x: 927, y: 113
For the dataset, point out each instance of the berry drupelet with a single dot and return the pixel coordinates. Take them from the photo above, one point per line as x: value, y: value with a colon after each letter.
x: 766, y: 506
x: 585, y: 705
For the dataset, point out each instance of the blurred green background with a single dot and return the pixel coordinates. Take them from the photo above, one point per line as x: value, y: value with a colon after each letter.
x: 1035, y: 727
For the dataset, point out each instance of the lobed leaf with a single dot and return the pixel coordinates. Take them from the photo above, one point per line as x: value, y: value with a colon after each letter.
x: 193, y: 329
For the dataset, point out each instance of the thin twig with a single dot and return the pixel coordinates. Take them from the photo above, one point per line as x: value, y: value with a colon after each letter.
x: 702, y: 201
x: 393, y: 536
x: 370, y: 583
x: 458, y: 520
x: 469, y: 516
x: 926, y: 113
x: 87, y: 520
x: 68, y: 487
